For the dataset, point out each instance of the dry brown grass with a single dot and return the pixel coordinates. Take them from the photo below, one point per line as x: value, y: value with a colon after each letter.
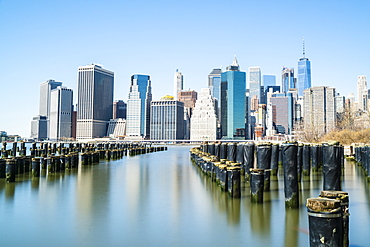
x: 347, y: 137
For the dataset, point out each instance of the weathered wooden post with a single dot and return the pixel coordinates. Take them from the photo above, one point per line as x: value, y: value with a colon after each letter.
x: 344, y: 203
x: 248, y: 158
x: 289, y: 153
x: 306, y: 160
x: 10, y: 170
x: 233, y: 173
x: 274, y: 159
x: 257, y: 185
x: 325, y: 222
x: 35, y: 167
x: 2, y: 168
x: 331, y: 167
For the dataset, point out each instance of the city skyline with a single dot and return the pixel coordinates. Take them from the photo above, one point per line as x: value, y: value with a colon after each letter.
x: 335, y: 39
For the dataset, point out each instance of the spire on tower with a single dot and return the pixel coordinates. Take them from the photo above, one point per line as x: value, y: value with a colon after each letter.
x: 235, y: 62
x: 304, y: 51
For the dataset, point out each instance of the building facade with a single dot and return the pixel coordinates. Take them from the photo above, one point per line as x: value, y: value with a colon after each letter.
x: 204, y: 119
x: 233, y: 106
x: 178, y: 84
x: 287, y: 79
x: 95, y: 101
x: 362, y: 93
x: 117, y: 128
x: 255, y: 83
x: 119, y: 109
x: 39, y: 128
x: 60, y: 119
x: 214, y: 83
x: 167, y: 120
x: 319, y: 109
x: 138, y: 107
x: 282, y: 112
x: 304, y: 75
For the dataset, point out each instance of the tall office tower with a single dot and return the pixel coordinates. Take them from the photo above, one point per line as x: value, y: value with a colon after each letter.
x: 45, y: 89
x: 95, y: 101
x: 269, y: 80
x: 319, y: 108
x: 260, y: 129
x: 60, y: 119
x: 204, y: 120
x: 362, y: 93
x: 304, y: 73
x: 39, y: 128
x: 339, y: 103
x: 255, y: 82
x: 214, y: 83
x: 119, y: 109
x: 233, y: 111
x: 287, y: 81
x: 44, y: 108
x: 138, y: 107
x: 178, y: 84
x: 167, y: 120
x: 350, y: 102
x: 283, y: 112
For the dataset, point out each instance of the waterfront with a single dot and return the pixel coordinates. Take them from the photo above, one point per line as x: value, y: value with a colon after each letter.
x: 161, y: 199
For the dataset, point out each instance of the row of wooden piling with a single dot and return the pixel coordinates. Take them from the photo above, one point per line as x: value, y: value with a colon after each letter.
x: 362, y: 157
x: 258, y: 161
x: 56, y: 157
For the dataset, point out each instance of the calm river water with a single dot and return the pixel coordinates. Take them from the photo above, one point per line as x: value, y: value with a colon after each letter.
x: 161, y: 199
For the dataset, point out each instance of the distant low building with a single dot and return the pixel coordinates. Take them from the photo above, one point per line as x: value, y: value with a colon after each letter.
x: 39, y: 128
x: 117, y: 128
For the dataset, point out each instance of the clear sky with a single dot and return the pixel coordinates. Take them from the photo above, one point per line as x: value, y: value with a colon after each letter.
x: 46, y: 39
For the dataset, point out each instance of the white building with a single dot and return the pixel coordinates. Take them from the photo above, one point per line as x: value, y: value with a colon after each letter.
x: 60, y: 119
x: 204, y: 119
x: 362, y: 93
x: 117, y: 128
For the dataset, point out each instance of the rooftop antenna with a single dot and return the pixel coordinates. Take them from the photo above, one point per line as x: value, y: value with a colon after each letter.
x: 304, y: 52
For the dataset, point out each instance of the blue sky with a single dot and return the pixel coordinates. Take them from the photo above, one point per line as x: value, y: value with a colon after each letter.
x: 43, y: 40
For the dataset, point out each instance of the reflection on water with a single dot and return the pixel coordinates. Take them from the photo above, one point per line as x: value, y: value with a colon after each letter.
x: 162, y: 199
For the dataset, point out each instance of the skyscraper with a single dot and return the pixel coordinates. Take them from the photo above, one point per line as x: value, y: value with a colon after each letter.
x: 319, y: 109
x: 44, y: 108
x: 204, y: 120
x: 255, y: 83
x: 282, y: 112
x: 233, y: 106
x: 61, y: 107
x: 95, y: 101
x: 138, y: 107
x: 214, y: 83
x: 119, y: 109
x: 39, y: 128
x: 178, y: 84
x: 45, y: 90
x: 362, y: 93
x: 287, y: 76
x: 304, y: 73
x: 167, y: 120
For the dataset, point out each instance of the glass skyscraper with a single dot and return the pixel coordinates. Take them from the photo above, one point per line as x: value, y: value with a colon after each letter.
x: 95, y: 101
x: 138, y: 106
x: 214, y: 83
x: 255, y: 82
x: 233, y: 106
x: 287, y: 76
x: 304, y: 75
